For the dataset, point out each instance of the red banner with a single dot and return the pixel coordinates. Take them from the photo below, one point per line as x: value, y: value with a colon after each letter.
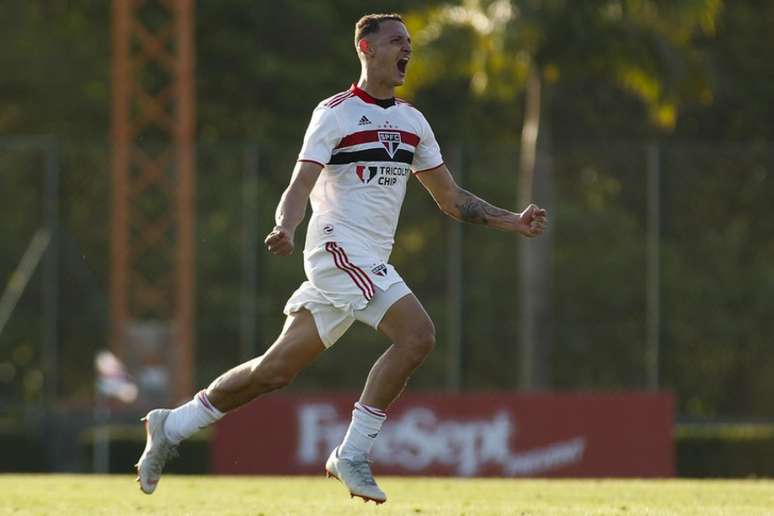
x: 499, y: 434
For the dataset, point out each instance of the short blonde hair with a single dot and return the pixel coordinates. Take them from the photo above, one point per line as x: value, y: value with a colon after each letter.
x: 369, y: 24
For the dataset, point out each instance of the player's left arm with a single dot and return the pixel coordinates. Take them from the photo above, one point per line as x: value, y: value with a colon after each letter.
x: 464, y: 206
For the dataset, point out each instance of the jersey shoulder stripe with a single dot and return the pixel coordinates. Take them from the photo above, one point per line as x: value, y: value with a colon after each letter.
x: 338, y: 99
x: 335, y: 97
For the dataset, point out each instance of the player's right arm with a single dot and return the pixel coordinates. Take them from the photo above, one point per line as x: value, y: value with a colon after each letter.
x: 292, y: 208
x: 321, y: 137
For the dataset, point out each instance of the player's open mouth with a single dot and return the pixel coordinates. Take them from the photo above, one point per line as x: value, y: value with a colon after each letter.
x: 402, y: 64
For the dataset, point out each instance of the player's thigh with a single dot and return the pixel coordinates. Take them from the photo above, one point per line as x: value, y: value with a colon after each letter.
x: 298, y: 344
x: 407, y: 321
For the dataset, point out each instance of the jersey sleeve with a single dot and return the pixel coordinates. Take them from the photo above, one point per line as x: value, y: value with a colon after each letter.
x: 321, y: 136
x: 427, y: 154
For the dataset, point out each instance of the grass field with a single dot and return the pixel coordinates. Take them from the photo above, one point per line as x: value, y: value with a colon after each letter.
x: 269, y: 496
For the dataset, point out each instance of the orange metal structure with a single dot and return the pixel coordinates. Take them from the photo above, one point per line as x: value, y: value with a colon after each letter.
x: 153, y: 171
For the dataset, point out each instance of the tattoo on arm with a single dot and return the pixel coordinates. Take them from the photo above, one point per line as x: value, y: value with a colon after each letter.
x: 477, y: 211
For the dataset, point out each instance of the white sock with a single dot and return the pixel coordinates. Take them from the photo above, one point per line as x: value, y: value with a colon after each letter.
x: 186, y: 419
x: 361, y: 434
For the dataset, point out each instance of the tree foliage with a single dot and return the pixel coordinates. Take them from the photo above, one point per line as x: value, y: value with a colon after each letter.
x: 645, y: 47
x: 618, y: 70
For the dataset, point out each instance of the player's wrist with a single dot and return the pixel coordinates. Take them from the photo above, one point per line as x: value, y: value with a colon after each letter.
x: 511, y: 222
x: 287, y: 229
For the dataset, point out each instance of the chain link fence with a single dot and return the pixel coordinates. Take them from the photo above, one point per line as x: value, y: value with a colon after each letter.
x: 689, y: 309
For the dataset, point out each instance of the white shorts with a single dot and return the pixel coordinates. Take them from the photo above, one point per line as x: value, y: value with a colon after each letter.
x: 345, y: 283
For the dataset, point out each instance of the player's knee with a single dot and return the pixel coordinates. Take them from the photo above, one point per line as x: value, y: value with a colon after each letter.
x: 427, y: 341
x: 420, y: 342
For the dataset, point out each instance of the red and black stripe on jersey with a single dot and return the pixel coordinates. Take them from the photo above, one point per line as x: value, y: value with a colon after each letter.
x: 339, y: 98
x: 374, y: 153
x: 401, y: 156
x: 373, y: 136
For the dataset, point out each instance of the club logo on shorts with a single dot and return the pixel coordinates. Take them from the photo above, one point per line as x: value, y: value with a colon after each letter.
x: 391, y: 141
x: 380, y: 270
x: 360, y: 170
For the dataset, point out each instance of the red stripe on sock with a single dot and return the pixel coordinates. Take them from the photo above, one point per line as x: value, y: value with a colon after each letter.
x: 371, y: 410
x: 202, y: 397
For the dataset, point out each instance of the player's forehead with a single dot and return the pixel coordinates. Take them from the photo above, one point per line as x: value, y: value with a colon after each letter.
x: 389, y: 29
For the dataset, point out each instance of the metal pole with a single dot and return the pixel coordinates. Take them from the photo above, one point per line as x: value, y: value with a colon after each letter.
x: 652, y: 269
x: 101, y: 457
x: 120, y: 150
x: 454, y: 376
x: 50, y: 289
x: 529, y: 263
x: 527, y: 331
x: 21, y: 276
x: 248, y: 326
x: 186, y: 195
x: 537, y: 316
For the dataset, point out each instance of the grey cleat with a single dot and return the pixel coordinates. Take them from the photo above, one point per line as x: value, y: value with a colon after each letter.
x: 158, y: 449
x: 356, y: 475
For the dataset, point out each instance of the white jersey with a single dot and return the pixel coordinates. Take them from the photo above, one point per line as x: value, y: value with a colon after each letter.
x: 368, y: 153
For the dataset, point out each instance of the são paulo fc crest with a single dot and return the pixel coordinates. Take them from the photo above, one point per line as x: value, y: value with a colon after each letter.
x: 380, y: 270
x: 391, y: 141
x: 366, y: 174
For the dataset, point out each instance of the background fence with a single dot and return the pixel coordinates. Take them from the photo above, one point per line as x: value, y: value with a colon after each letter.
x: 705, y: 308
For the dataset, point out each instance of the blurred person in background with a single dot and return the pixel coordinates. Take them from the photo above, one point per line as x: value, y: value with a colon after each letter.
x: 360, y: 149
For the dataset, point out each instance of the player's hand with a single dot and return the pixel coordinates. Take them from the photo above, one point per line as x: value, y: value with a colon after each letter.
x: 532, y: 221
x: 280, y: 241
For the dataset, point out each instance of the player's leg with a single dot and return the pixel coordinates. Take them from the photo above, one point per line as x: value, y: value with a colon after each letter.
x: 398, y: 314
x: 412, y: 333
x: 295, y: 348
x: 413, y: 337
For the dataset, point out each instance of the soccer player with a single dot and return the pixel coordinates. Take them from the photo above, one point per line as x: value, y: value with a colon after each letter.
x: 359, y: 151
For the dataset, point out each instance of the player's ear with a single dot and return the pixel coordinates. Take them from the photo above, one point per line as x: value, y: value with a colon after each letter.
x: 363, y: 46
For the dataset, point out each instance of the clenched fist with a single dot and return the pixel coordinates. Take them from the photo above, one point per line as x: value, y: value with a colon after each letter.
x: 280, y: 241
x: 532, y: 221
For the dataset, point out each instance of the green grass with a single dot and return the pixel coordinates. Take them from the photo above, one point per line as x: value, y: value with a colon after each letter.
x: 270, y: 496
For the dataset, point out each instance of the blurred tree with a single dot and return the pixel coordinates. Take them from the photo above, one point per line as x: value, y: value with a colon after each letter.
x: 739, y: 106
x: 261, y: 67
x: 54, y: 59
x: 643, y: 46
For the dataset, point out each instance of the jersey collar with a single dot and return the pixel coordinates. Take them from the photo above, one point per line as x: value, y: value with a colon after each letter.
x: 365, y: 97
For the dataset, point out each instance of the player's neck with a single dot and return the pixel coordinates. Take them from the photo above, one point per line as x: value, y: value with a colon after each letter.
x: 376, y: 89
